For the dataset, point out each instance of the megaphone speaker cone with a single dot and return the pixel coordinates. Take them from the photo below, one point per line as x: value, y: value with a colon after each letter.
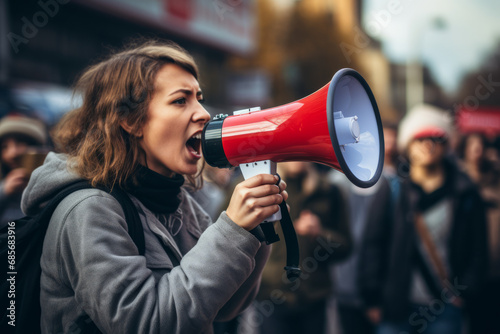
x: 355, y: 128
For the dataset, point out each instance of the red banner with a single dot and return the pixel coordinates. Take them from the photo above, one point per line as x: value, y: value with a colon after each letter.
x: 482, y: 120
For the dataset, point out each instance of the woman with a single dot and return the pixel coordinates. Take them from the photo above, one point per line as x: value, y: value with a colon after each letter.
x: 139, y: 129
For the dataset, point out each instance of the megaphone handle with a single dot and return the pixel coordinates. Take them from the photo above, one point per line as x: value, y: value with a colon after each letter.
x: 261, y: 167
x: 292, y: 245
x: 267, y: 227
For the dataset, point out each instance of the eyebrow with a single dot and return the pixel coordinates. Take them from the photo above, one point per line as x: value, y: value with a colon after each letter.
x: 186, y: 91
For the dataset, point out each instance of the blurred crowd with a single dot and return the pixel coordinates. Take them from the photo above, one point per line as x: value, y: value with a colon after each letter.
x: 419, y: 252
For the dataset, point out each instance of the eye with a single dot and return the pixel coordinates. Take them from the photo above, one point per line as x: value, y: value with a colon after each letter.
x: 201, y: 101
x: 182, y: 100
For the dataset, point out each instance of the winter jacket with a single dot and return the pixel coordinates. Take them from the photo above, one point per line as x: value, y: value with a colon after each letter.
x: 391, y: 251
x: 91, y: 269
x: 370, y: 206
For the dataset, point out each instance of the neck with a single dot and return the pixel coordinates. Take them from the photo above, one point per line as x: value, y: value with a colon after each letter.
x: 429, y: 177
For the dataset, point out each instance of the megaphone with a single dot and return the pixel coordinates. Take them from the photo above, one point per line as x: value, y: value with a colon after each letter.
x: 339, y: 126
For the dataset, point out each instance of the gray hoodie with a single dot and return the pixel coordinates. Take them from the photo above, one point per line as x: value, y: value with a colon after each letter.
x: 91, y: 268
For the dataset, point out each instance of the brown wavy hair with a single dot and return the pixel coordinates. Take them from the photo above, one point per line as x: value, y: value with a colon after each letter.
x: 116, y: 90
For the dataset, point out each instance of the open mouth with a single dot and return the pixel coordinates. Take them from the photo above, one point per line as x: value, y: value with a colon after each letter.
x: 194, y: 144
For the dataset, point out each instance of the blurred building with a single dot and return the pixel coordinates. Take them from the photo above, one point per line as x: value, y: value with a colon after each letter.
x: 49, y: 42
x: 302, y: 43
x: 388, y: 81
x: 374, y: 65
x: 432, y: 93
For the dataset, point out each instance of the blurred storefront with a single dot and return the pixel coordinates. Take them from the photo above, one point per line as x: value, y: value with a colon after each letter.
x: 51, y: 41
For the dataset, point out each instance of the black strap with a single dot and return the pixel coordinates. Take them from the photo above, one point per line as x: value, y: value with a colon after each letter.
x: 132, y: 218
x: 265, y: 232
x: 49, y: 209
x: 270, y: 234
x: 292, y: 244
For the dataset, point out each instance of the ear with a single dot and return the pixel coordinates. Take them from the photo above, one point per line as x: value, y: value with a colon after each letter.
x: 129, y: 129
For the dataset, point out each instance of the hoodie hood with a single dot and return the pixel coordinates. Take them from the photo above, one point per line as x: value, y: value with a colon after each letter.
x: 45, y: 182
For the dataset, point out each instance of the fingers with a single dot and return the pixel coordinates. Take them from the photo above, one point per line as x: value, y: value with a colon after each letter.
x: 255, y: 199
x: 264, y: 192
x: 264, y: 179
x: 284, y: 194
x: 260, y: 180
x: 282, y: 185
x: 265, y: 212
x: 254, y: 203
x: 259, y: 191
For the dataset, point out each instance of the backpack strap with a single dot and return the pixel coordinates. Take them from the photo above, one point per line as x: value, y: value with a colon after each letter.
x: 49, y: 209
x: 132, y: 218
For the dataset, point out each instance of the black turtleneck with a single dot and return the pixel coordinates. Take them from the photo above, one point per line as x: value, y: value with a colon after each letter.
x: 157, y: 192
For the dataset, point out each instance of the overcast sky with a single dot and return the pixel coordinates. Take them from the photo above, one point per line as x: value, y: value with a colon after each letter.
x: 469, y: 31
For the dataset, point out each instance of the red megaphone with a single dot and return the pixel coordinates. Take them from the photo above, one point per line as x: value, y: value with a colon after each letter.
x: 338, y: 126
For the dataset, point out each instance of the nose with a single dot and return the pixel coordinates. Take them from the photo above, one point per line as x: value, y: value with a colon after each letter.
x: 201, y: 114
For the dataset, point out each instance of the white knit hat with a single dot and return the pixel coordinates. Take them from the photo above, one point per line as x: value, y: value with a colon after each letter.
x: 424, y: 121
x: 20, y: 125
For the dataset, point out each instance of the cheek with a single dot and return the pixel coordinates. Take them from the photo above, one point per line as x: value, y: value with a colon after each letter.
x: 164, y: 139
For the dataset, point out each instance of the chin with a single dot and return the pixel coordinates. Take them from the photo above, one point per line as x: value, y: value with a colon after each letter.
x: 188, y: 171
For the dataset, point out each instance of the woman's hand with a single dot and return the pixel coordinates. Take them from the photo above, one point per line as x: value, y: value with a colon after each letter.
x: 255, y: 199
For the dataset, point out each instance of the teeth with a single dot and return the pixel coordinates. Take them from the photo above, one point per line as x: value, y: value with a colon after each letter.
x: 196, y: 136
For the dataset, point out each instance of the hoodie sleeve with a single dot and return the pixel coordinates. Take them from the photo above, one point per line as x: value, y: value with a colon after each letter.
x: 112, y: 284
x: 248, y: 290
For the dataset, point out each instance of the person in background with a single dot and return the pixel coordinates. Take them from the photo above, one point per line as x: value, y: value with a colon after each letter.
x: 18, y: 135
x: 320, y: 220
x: 472, y: 150
x: 367, y: 206
x: 391, y: 158
x: 436, y: 248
